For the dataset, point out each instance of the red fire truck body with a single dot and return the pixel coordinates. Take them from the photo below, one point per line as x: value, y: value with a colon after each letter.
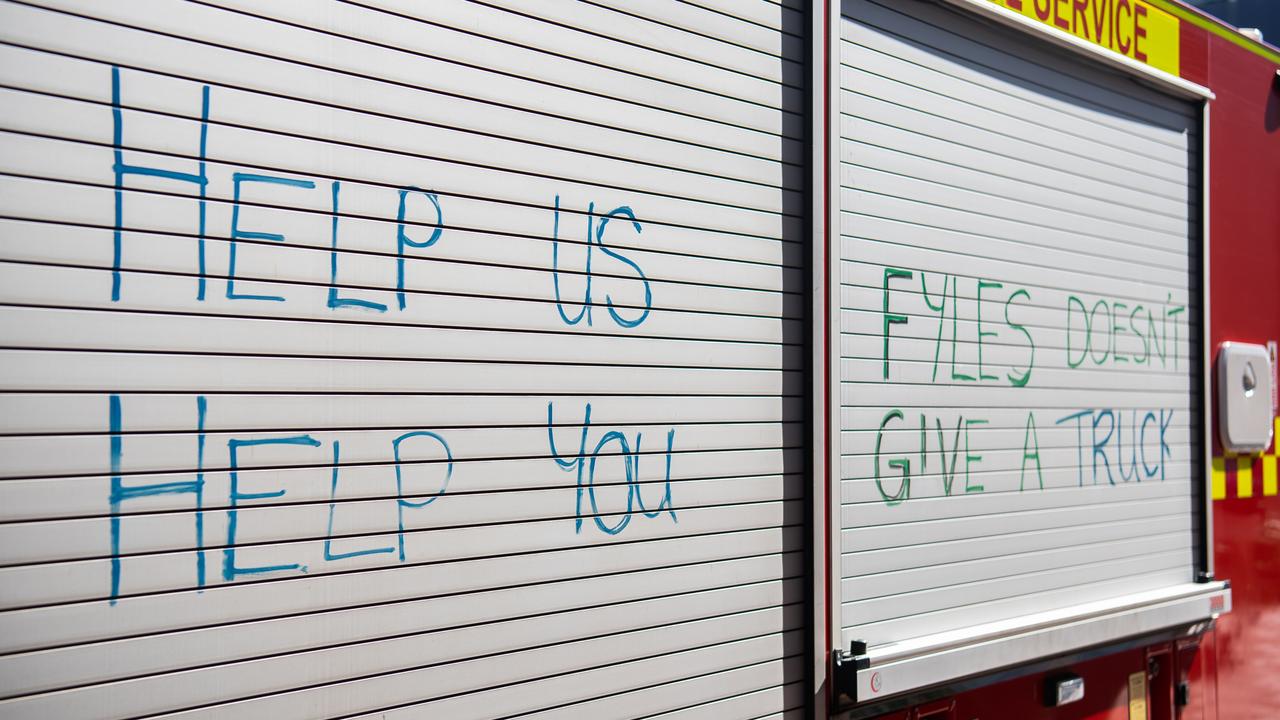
x: 1244, y: 266
x: 685, y: 359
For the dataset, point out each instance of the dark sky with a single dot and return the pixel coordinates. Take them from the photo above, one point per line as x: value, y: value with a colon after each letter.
x: 1262, y: 14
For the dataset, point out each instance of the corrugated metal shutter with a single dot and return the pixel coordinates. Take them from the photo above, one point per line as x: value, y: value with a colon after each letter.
x: 1019, y: 404
x: 401, y: 359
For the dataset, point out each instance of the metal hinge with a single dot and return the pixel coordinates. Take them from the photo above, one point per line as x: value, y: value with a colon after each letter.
x: 845, y: 667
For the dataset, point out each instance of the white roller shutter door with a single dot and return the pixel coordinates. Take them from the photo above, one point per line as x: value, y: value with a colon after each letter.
x: 1019, y: 313
x: 401, y: 359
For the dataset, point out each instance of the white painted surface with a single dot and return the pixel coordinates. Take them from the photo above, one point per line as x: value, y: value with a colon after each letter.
x: 469, y: 575
x: 972, y: 155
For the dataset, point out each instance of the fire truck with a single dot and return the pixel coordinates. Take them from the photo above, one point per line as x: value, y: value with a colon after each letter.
x: 852, y: 359
x: 1214, y: 669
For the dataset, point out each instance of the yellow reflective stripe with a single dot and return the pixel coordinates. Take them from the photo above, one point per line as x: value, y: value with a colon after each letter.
x: 1135, y: 29
x: 1269, y: 463
x: 1244, y: 476
x: 1221, y: 30
x: 1218, y: 477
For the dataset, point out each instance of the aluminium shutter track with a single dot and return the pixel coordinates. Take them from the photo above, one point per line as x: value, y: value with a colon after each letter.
x: 1002, y: 473
x: 344, y: 502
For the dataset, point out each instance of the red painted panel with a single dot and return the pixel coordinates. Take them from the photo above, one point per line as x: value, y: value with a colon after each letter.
x: 1106, y: 695
x: 1195, y: 668
x: 1166, y: 665
x: 1161, y: 676
x: 1245, y: 306
x: 1193, y: 54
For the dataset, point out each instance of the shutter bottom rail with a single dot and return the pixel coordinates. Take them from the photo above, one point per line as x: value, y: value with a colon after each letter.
x: 877, y: 673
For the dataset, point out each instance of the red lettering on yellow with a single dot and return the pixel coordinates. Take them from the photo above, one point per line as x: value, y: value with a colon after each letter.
x: 1139, y: 30
x: 1080, y: 9
x: 1122, y: 26
x: 1101, y: 21
x: 1122, y: 42
x: 1058, y: 20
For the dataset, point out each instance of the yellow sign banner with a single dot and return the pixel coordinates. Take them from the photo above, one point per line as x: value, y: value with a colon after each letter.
x: 1131, y: 28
